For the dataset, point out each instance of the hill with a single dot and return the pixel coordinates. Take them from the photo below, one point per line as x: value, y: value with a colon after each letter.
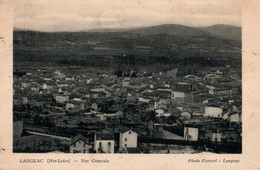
x: 224, y: 31
x: 170, y: 29
x: 170, y: 41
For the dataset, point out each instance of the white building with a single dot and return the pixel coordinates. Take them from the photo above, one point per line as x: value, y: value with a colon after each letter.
x: 216, y: 137
x: 24, y: 84
x: 225, y: 116
x: 186, y: 115
x: 98, y: 89
x: 235, y: 118
x: 162, y: 112
x: 45, y: 86
x: 89, y: 80
x: 127, y: 139
x: 61, y: 98
x: 145, y: 100
x: 104, y: 143
x: 69, y: 78
x: 191, y: 134
x: 79, y: 144
x: 213, y: 111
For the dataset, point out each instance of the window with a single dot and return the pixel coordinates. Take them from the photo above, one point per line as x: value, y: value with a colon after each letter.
x: 74, y: 144
x: 79, y: 141
x: 125, y: 139
x: 84, y: 151
x: 129, y: 132
x: 100, y: 144
x: 125, y: 145
x: 109, y: 144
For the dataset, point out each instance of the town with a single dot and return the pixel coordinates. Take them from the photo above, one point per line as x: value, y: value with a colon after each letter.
x: 77, y: 109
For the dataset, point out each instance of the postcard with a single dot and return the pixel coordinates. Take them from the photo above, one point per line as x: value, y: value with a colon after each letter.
x: 113, y: 84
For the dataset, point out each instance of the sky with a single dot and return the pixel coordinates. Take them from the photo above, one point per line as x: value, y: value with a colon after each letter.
x: 80, y: 15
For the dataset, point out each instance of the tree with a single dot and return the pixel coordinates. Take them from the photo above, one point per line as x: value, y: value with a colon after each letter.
x: 152, y: 115
x: 37, y: 120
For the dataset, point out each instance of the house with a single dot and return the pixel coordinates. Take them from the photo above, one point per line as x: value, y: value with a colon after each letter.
x: 182, y: 95
x: 98, y: 89
x: 127, y: 139
x: 145, y: 100
x: 191, y: 133
x: 165, y: 101
x: 225, y: 116
x: 47, y: 78
x: 173, y: 72
x: 45, y: 100
x: 212, y: 77
x: 186, y: 115
x: 119, y: 113
x: 35, y: 89
x: 125, y: 83
x: 89, y: 80
x: 222, y: 92
x: 75, y: 106
x: 234, y: 118
x: 25, y: 84
x: 130, y: 99
x: 62, y: 84
x: 213, y: 111
x: 61, y: 99
x: 79, y: 144
x: 69, y: 79
x: 165, y: 89
x: 104, y: 143
x: 45, y: 86
x: 162, y: 103
x: 217, y: 72
x: 101, y: 105
x: 94, y: 106
x: 216, y: 136
x: 192, y: 78
x: 25, y: 100
x: 162, y: 112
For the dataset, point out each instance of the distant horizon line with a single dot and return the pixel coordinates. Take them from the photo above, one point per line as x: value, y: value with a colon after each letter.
x: 122, y: 29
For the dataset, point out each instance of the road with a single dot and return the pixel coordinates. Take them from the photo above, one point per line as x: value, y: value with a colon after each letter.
x: 48, y: 135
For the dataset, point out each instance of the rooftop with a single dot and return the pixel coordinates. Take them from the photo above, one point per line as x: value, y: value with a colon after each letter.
x: 104, y: 136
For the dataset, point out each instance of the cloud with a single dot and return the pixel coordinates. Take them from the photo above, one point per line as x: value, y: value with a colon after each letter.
x: 58, y: 15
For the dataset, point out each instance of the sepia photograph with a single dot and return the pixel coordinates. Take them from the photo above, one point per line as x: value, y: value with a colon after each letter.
x: 127, y: 77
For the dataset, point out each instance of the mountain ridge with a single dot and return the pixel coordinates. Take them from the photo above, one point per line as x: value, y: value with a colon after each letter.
x: 170, y: 40
x: 224, y: 31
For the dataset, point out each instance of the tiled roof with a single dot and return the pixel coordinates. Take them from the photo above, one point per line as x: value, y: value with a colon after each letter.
x: 104, y: 136
x: 77, y: 138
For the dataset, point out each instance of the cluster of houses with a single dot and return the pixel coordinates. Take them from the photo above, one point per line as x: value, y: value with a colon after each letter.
x: 126, y: 142
x: 212, y: 97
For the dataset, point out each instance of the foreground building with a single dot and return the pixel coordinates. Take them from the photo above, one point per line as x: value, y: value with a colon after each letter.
x: 104, y: 143
x: 80, y: 144
x: 127, y: 139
